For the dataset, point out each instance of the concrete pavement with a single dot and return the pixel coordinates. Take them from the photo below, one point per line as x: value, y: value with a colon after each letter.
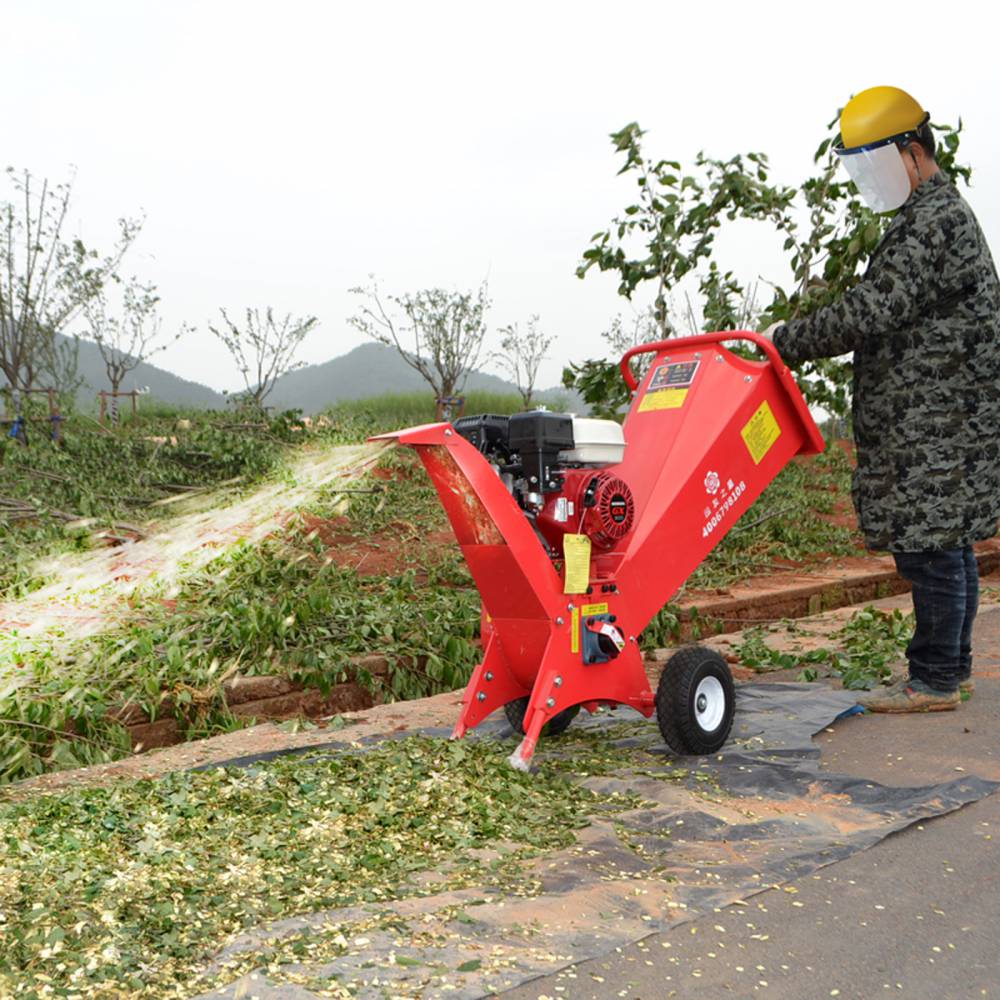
x: 915, y: 916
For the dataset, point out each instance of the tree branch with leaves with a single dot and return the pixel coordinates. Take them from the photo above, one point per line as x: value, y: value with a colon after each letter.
x: 263, y: 348
x: 668, y: 235
x: 521, y: 355
x: 440, y: 334
x: 45, y: 277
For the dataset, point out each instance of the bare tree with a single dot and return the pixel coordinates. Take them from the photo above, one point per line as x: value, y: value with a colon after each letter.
x: 45, y: 277
x: 521, y: 355
x: 263, y: 348
x: 127, y: 339
x: 445, y: 331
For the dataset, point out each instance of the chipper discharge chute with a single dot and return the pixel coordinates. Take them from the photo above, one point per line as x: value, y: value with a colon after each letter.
x: 578, y: 531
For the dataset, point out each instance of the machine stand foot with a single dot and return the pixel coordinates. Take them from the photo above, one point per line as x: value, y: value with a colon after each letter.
x: 520, y: 759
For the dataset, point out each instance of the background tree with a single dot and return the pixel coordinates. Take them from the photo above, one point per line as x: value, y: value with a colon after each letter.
x: 263, y: 348
x: 61, y: 369
x: 129, y: 338
x: 45, y: 279
x: 668, y: 235
x: 440, y: 334
x: 599, y: 382
x: 521, y: 355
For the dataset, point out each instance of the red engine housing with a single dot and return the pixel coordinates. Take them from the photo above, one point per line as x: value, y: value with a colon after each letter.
x: 592, y: 502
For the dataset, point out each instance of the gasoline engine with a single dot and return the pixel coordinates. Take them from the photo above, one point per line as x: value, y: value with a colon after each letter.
x: 557, y: 468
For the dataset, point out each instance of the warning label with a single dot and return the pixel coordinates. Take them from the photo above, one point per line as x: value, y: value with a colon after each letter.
x: 760, y: 432
x: 668, y: 387
x: 574, y: 622
x: 576, y: 549
x: 664, y: 399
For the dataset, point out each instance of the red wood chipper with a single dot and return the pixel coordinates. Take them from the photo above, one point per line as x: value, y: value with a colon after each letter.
x: 577, y: 531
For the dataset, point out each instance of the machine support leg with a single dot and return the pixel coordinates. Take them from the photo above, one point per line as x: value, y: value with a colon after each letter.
x: 521, y: 757
x: 491, y: 686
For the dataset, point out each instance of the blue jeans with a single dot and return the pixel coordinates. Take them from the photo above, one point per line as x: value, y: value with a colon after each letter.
x: 945, y: 601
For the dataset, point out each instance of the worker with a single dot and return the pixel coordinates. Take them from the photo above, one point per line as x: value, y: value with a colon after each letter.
x: 923, y: 324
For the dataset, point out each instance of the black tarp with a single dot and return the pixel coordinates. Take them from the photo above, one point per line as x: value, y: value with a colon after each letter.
x: 754, y: 816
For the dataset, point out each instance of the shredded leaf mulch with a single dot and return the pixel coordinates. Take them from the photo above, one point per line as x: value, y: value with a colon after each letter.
x: 128, y: 891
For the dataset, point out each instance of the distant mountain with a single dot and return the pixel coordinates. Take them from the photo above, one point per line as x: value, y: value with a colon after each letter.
x: 368, y: 370
x: 163, y: 385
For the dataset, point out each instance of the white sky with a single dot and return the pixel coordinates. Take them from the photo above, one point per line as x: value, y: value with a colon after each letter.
x: 284, y: 151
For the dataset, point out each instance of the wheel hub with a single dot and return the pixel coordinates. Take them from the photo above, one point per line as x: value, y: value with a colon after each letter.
x: 709, y: 704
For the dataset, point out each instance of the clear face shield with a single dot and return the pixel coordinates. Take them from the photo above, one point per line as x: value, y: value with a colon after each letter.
x: 879, y: 174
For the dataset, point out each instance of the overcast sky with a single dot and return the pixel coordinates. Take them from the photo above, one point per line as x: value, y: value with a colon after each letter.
x: 283, y: 151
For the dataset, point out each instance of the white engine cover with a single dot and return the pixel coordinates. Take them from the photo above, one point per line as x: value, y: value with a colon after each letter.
x: 595, y: 442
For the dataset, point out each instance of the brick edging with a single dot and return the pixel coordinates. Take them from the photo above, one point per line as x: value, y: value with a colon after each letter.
x: 266, y: 698
x: 730, y: 614
x: 272, y: 698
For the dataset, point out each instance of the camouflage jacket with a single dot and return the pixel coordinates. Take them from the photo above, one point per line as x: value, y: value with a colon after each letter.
x: 924, y: 326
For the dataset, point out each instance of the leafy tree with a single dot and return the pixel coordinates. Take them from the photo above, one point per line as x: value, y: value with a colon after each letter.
x: 263, y: 348
x: 127, y: 339
x: 598, y: 381
x: 521, y: 354
x: 668, y: 234
x: 45, y: 279
x: 439, y: 334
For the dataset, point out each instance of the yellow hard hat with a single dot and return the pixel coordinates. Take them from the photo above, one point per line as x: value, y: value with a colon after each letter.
x: 878, y: 114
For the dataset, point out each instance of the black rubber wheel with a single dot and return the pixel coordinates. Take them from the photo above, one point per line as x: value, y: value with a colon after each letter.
x: 695, y: 701
x: 514, y: 710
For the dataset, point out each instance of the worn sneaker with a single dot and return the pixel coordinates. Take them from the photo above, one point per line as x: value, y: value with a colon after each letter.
x: 909, y: 696
x: 967, y: 686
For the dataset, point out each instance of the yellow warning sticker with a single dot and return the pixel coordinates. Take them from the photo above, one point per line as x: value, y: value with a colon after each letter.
x: 576, y: 549
x: 760, y: 432
x: 594, y: 609
x: 574, y: 631
x: 663, y: 399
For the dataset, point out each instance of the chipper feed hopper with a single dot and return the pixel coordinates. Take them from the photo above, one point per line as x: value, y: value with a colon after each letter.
x: 578, y: 531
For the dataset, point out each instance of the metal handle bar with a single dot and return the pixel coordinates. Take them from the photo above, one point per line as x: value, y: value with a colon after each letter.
x: 702, y: 338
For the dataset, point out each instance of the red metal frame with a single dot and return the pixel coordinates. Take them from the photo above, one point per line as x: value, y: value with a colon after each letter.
x: 698, y: 453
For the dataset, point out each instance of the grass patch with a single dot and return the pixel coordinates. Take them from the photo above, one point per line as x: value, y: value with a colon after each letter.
x: 283, y: 607
x: 395, y: 410
x: 118, y: 476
